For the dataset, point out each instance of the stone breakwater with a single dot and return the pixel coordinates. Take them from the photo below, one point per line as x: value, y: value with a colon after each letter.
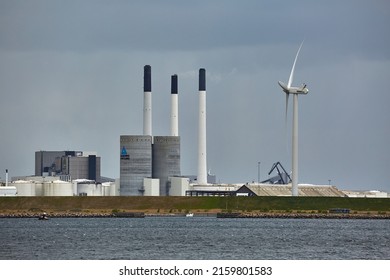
x: 218, y: 215
x: 76, y: 215
x: 303, y: 216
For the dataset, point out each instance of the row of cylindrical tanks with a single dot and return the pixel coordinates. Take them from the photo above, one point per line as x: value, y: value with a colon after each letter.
x: 63, y: 188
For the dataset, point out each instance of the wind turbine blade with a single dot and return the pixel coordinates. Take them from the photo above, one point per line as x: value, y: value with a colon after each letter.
x: 290, y: 80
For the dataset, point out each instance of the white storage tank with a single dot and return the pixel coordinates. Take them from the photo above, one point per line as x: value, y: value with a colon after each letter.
x: 110, y: 189
x: 24, y: 188
x: 39, y: 188
x: 89, y: 189
x: 8, y: 191
x: 106, y: 189
x: 57, y: 188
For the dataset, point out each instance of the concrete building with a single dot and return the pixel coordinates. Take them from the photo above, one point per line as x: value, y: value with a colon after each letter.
x: 135, y: 163
x: 140, y: 158
x: 146, y: 159
x: 368, y: 194
x: 81, y: 167
x: 255, y: 189
x: 151, y: 187
x: 165, y: 160
x: 69, y: 165
x: 45, y: 161
x: 179, y: 186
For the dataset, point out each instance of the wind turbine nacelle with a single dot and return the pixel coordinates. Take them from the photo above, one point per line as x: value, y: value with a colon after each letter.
x: 294, y: 90
x: 303, y: 89
x: 298, y: 90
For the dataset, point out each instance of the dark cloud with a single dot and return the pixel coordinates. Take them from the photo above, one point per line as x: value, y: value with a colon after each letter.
x: 71, y: 78
x: 177, y: 25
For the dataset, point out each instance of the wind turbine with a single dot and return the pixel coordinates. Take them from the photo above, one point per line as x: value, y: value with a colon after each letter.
x: 288, y: 89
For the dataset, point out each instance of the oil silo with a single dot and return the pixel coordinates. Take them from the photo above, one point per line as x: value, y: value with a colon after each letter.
x: 135, y: 163
x: 25, y: 188
x: 166, y: 160
x: 57, y: 188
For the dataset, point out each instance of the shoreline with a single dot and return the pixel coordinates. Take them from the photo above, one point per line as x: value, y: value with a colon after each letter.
x: 222, y: 215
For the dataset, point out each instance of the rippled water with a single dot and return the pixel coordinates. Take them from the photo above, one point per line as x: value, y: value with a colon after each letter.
x: 193, y: 238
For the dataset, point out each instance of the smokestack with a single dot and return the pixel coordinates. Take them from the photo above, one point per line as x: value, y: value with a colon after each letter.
x: 147, y: 100
x: 202, y: 156
x: 6, y: 177
x: 174, y: 107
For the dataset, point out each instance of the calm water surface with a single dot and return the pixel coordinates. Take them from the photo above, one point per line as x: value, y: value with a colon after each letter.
x: 193, y: 238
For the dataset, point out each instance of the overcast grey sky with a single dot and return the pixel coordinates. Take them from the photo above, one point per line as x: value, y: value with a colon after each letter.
x: 71, y: 78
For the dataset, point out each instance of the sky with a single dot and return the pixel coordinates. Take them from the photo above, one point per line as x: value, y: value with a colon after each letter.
x: 71, y: 78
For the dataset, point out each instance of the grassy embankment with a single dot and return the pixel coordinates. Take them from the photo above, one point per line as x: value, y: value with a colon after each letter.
x: 194, y: 204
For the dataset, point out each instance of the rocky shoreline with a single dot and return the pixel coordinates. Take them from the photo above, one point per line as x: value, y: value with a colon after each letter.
x: 75, y: 215
x: 57, y: 215
x: 218, y: 215
x: 303, y: 216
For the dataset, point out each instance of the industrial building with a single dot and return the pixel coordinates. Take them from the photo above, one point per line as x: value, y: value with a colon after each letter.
x: 165, y: 160
x: 146, y: 161
x: 260, y: 189
x: 135, y: 163
x: 285, y: 190
x: 54, y: 186
x: 69, y: 165
x: 62, y: 173
x: 150, y: 166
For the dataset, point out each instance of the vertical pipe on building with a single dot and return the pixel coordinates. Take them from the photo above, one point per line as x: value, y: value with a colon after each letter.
x: 174, y: 107
x: 202, y: 156
x: 147, y: 100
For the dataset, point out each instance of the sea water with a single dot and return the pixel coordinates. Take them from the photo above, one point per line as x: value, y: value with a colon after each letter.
x: 193, y: 238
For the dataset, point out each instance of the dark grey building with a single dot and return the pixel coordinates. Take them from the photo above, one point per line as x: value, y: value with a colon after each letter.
x: 135, y: 163
x: 165, y: 160
x: 148, y: 157
x: 45, y: 162
x: 68, y: 164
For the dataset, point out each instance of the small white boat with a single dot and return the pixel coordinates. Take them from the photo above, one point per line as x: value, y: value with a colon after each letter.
x: 189, y: 214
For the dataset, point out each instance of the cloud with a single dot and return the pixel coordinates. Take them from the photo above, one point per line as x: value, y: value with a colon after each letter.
x: 71, y: 78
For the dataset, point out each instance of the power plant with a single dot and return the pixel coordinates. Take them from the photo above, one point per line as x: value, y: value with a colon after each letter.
x: 150, y: 165
x: 156, y: 158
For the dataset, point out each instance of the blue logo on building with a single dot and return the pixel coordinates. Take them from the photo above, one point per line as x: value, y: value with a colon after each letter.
x: 124, y: 154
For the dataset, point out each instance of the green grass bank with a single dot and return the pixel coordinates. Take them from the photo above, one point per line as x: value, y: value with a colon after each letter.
x: 194, y: 204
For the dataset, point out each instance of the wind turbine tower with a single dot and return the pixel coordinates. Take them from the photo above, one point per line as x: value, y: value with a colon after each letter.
x: 295, y: 91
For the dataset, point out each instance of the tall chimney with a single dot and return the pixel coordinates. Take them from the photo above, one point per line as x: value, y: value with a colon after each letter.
x: 202, y: 156
x: 174, y: 107
x: 6, y: 177
x: 147, y: 100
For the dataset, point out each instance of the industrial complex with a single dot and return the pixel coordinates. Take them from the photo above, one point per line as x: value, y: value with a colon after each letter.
x: 150, y: 166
